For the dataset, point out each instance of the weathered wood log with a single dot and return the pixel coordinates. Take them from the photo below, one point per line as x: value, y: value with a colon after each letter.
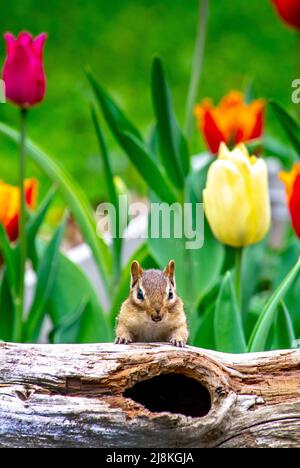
x: 105, y: 395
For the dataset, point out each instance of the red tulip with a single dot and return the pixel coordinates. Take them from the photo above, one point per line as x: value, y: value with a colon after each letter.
x: 289, y: 11
x: 23, y: 71
x: 292, y: 183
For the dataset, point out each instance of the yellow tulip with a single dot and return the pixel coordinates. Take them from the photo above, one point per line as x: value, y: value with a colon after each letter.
x: 236, y: 197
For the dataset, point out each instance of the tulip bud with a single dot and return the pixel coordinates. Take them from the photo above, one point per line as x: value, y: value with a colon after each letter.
x: 23, y: 71
x: 120, y: 186
x: 236, y: 197
x: 292, y: 183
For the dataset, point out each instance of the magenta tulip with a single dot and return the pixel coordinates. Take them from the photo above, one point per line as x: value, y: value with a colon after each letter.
x: 23, y: 71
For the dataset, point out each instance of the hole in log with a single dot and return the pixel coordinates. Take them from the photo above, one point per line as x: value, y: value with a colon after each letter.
x: 174, y: 393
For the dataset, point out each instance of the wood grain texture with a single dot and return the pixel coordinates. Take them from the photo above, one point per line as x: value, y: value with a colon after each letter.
x: 72, y: 396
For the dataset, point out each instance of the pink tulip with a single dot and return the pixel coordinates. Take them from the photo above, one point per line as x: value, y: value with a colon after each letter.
x: 23, y: 71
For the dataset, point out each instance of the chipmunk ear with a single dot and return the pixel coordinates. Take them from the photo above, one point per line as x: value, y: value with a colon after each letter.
x: 169, y: 271
x: 136, y: 272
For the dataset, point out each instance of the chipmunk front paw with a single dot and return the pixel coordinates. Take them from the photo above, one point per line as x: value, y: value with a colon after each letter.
x: 179, y: 343
x: 123, y: 340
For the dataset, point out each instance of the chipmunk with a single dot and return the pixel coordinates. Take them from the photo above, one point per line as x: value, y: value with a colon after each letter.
x: 153, y: 311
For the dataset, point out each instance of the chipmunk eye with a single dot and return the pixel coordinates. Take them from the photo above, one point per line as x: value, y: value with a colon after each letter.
x: 170, y: 295
x: 140, y: 294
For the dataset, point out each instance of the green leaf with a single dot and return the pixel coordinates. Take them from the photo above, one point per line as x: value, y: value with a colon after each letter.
x: 287, y: 260
x: 199, y: 177
x: 131, y: 141
x: 46, y: 274
x: 183, y: 149
x: 274, y: 148
x: 228, y: 328
x: 71, y: 285
x: 114, y: 116
x: 111, y: 191
x: 109, y: 178
x: 148, y: 169
x: 250, y: 93
x: 7, y: 309
x: 256, y: 305
x: 210, y: 297
x: 173, y: 147
x: 9, y: 256
x: 271, y: 147
x: 205, y: 336
x: 34, y: 224
x: 68, y: 329
x: 284, y: 335
x: 153, y: 143
x: 75, y: 198
x: 260, y: 333
x: 252, y: 261
x: 289, y: 124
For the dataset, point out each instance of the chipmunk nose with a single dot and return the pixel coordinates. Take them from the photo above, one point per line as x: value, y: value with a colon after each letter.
x: 156, y: 317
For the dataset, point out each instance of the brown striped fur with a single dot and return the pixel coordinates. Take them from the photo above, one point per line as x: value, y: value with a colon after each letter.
x: 157, y: 317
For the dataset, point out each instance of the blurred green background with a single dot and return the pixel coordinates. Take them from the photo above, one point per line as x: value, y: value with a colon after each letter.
x: 118, y: 40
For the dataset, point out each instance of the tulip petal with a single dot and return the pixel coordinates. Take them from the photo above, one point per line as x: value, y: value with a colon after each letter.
x: 226, y: 203
x: 24, y: 38
x: 232, y: 121
x: 288, y: 178
x: 236, y: 198
x: 23, y: 69
x: 292, y: 184
x: 212, y: 133
x: 289, y: 10
x: 10, y: 41
x: 237, y: 157
x: 10, y: 205
x: 31, y: 187
x: 259, y: 125
x: 4, y: 202
x: 294, y: 206
x: 12, y: 228
x: 38, y: 44
x: 260, y: 219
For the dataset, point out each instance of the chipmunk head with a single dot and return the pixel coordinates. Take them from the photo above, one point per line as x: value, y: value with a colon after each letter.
x: 153, y: 292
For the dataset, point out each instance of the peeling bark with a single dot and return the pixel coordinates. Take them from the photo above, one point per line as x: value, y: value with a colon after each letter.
x: 73, y: 396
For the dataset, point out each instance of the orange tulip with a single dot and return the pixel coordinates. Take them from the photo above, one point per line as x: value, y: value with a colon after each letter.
x: 10, y: 205
x: 292, y: 184
x: 232, y: 121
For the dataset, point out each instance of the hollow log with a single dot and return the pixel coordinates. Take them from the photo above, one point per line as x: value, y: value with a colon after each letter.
x: 147, y: 395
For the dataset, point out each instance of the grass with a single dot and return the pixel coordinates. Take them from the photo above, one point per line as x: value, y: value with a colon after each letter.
x: 118, y: 39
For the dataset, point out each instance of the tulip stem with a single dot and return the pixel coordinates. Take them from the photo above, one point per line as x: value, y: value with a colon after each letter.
x: 238, y: 276
x: 17, y: 336
x: 196, y: 66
